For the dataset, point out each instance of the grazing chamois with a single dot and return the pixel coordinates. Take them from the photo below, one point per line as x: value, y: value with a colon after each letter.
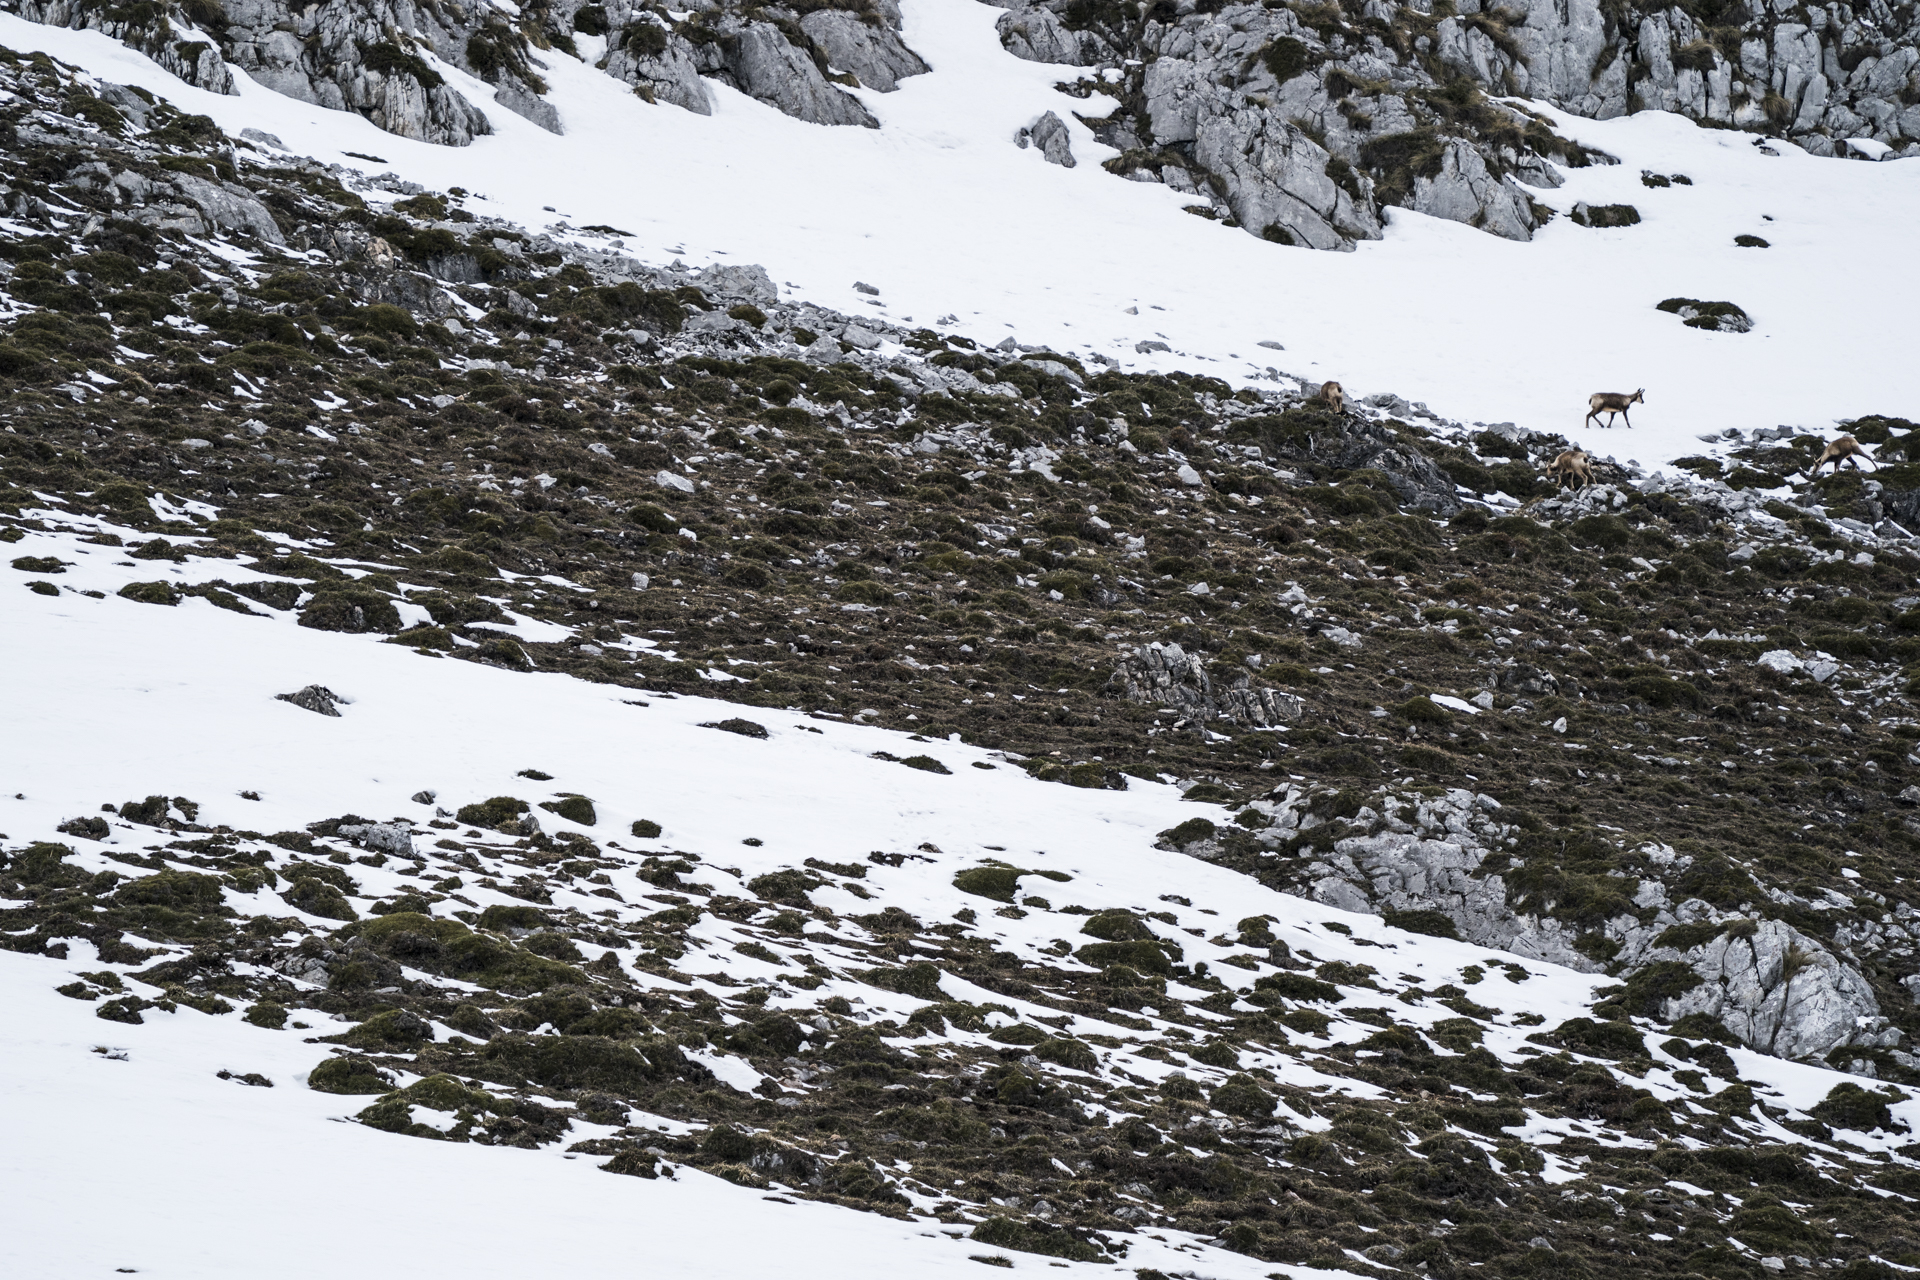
x: 1333, y: 397
x: 1613, y: 403
x: 1573, y: 468
x: 1846, y: 449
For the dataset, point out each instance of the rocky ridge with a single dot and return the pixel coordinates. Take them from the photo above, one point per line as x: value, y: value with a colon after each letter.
x: 378, y: 60
x: 1301, y: 122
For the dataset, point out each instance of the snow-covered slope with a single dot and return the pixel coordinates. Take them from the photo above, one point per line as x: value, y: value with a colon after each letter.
x: 136, y: 1145
x: 940, y: 211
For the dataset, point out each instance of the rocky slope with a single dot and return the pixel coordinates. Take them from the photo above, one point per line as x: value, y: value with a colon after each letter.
x: 1658, y: 731
x: 1297, y: 122
x: 379, y: 60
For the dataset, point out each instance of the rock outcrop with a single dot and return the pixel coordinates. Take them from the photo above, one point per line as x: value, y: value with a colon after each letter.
x: 1165, y: 675
x: 1774, y: 987
x: 1049, y: 135
x: 382, y: 60
x: 801, y: 66
x: 1299, y: 123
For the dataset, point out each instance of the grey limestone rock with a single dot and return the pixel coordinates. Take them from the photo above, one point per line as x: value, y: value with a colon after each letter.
x: 873, y: 53
x: 315, y: 697
x: 669, y: 75
x: 1283, y: 125
x: 1166, y: 675
x: 228, y: 207
x: 385, y: 837
x: 1464, y: 191
x: 1277, y: 181
x: 758, y: 59
x: 1039, y: 35
x: 170, y: 39
x: 739, y: 282
x: 372, y: 57
x: 824, y: 350
x: 1050, y: 136
x: 1781, y: 992
x: 1777, y: 989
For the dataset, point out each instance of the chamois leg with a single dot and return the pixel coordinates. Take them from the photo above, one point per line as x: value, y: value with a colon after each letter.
x: 1628, y: 417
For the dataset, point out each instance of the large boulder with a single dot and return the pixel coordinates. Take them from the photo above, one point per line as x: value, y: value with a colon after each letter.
x: 875, y: 55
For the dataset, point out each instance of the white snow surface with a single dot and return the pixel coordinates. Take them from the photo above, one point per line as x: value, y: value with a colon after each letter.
x: 945, y: 215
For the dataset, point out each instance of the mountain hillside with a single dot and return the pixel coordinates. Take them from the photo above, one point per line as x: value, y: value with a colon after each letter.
x: 493, y: 708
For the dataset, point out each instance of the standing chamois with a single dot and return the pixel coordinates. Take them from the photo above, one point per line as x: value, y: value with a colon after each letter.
x: 1332, y: 396
x: 1846, y: 449
x: 1613, y: 403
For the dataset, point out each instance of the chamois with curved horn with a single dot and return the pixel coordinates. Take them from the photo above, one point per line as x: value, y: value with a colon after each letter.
x: 1613, y: 403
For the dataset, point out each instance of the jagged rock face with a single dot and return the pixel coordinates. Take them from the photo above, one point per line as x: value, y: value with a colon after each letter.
x: 1390, y: 107
x: 1166, y: 675
x: 794, y: 66
x: 1277, y: 183
x: 758, y: 59
x: 164, y: 36
x: 1464, y: 191
x: 1778, y: 990
x: 1039, y: 35
x: 873, y: 54
x: 349, y: 55
x: 660, y: 68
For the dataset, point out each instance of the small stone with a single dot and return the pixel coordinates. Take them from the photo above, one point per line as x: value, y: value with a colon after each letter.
x: 673, y: 480
x: 384, y: 837
x: 425, y: 797
x: 861, y: 286
x: 315, y: 697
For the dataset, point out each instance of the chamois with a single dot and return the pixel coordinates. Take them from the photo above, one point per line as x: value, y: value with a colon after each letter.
x: 1613, y: 403
x: 1846, y: 449
x: 1571, y: 466
x: 1333, y: 397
